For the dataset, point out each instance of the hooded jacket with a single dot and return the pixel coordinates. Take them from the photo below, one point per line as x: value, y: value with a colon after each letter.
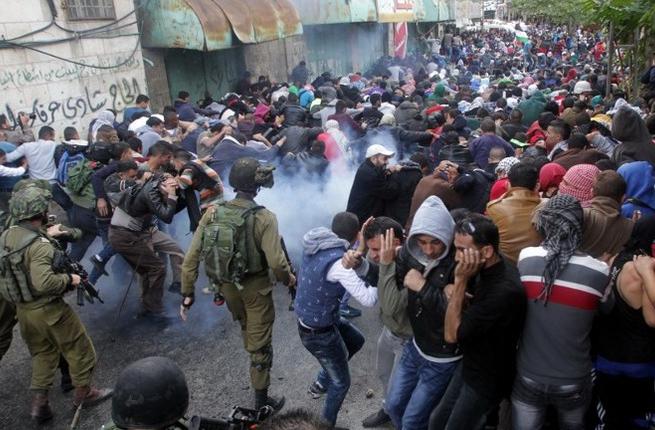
x: 604, y: 229
x: 427, y: 308
x: 640, y: 191
x: 532, y: 107
x: 317, y: 299
x: 631, y: 131
x: 404, y: 112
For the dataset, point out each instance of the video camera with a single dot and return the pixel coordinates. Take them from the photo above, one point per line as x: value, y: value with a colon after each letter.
x: 239, y: 419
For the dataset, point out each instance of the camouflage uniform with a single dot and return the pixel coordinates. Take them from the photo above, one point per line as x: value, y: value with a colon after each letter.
x: 47, y: 324
x: 8, y: 310
x: 252, y: 306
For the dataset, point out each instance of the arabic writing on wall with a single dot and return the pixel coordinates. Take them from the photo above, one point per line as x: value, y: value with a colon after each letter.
x: 42, y: 73
x: 117, y: 96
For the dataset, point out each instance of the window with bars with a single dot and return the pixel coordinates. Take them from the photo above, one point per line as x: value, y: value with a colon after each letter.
x: 90, y: 9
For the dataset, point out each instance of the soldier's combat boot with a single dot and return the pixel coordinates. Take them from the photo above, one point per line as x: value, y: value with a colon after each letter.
x: 40, y: 411
x: 263, y: 399
x: 91, y: 396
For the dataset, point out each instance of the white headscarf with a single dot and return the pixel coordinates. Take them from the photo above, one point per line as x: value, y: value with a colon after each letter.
x: 105, y: 117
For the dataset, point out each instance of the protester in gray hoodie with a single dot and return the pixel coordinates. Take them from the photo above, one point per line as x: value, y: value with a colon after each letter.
x: 322, y: 282
x: 428, y: 362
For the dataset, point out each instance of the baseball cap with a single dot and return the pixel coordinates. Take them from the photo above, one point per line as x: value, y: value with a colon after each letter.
x: 378, y: 149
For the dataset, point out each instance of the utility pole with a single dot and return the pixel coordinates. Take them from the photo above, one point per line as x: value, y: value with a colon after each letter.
x: 635, y: 64
x: 610, y: 61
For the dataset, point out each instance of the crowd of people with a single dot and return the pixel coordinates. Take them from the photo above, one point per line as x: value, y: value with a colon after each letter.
x: 501, y: 217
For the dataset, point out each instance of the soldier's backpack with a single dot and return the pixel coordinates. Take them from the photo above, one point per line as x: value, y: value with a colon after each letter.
x: 14, y: 281
x: 228, y: 247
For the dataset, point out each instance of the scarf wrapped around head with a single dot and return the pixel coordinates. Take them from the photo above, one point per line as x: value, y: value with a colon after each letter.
x: 560, y: 224
x: 105, y: 117
x: 579, y: 182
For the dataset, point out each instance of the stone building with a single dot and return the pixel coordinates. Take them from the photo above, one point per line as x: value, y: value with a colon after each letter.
x: 65, y: 60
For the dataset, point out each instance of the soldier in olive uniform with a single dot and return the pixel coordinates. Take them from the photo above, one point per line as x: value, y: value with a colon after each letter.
x: 8, y: 309
x: 47, y: 324
x: 251, y: 300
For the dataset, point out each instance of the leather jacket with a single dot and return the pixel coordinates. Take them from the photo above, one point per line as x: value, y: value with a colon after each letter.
x: 512, y: 213
x: 139, y: 207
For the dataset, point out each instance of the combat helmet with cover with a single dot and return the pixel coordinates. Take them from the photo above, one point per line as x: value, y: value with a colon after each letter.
x: 228, y: 245
x: 248, y: 175
x: 29, y: 198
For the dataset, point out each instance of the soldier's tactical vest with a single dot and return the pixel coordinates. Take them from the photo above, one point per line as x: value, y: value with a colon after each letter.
x: 14, y: 279
x: 228, y: 244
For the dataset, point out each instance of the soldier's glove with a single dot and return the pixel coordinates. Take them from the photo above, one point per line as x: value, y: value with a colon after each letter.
x: 188, y: 301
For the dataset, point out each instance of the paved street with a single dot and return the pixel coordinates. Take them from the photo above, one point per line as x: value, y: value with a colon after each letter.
x: 208, y: 348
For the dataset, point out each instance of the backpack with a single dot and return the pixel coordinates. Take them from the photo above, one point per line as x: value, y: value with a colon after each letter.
x: 102, y: 152
x: 14, y: 279
x: 228, y: 247
x: 79, y: 179
x: 69, y: 159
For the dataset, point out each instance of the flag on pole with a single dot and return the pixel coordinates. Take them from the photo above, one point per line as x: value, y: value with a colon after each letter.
x: 400, y: 40
x: 521, y: 36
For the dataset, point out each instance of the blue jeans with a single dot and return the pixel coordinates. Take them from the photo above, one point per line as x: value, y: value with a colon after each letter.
x: 530, y: 400
x: 333, y: 348
x: 461, y: 407
x: 415, y: 389
x: 105, y: 254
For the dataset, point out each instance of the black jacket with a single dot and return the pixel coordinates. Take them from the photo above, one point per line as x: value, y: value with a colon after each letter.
x: 512, y: 128
x: 370, y: 189
x: 427, y: 308
x: 370, y: 115
x: 294, y: 114
x: 298, y: 139
x: 473, y: 187
x: 146, y: 202
x: 407, y: 179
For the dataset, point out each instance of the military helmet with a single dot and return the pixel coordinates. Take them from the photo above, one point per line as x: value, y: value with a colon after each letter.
x: 41, y: 184
x: 150, y: 394
x: 248, y: 175
x: 28, y: 202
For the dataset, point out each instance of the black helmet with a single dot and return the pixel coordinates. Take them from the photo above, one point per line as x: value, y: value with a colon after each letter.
x: 248, y: 175
x: 150, y: 394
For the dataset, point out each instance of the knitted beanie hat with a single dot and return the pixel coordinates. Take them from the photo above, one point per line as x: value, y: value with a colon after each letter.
x: 578, y: 182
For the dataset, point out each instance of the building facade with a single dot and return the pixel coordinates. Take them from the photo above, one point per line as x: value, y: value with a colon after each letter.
x: 47, y: 55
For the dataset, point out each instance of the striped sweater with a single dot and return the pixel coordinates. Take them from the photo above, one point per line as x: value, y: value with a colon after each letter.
x: 555, y: 345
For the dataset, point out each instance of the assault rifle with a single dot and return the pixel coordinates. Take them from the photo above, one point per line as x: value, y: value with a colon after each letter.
x: 239, y: 419
x: 292, y: 289
x: 85, y: 290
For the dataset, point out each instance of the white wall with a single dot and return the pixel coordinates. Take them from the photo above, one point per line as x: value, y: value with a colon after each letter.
x: 58, y: 92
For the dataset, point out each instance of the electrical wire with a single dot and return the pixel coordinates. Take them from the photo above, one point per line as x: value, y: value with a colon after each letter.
x: 96, y: 35
x: 78, y: 32
x: 93, y: 66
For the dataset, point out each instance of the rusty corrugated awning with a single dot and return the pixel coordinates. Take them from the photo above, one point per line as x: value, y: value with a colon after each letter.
x: 208, y: 25
x: 315, y: 12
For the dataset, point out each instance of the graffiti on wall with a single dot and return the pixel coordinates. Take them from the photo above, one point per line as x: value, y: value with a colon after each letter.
x: 35, y: 74
x: 117, y: 96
